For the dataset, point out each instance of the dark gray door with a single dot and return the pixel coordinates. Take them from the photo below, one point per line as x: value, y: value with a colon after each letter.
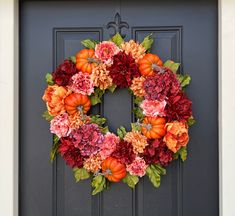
x: 185, y: 31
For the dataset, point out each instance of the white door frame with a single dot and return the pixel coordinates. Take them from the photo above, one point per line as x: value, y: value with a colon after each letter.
x: 9, y: 64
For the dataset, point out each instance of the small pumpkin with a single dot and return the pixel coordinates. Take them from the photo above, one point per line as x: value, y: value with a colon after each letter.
x: 149, y: 63
x: 77, y: 102
x: 113, y: 170
x: 153, y: 127
x: 85, y: 60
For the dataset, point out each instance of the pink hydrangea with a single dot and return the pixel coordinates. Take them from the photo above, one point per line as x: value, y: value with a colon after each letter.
x: 60, y: 125
x: 81, y: 83
x: 105, y: 51
x: 137, y: 167
x: 109, y: 145
x: 153, y: 108
x: 88, y: 139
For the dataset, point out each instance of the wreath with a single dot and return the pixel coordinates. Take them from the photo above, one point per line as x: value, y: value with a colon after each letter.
x: 163, y: 113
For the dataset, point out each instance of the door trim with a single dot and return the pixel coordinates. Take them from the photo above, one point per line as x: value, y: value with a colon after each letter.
x: 9, y: 112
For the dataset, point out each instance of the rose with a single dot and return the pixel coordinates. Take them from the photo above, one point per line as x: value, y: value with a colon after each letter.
x: 54, y: 97
x: 176, y: 135
x: 153, y: 108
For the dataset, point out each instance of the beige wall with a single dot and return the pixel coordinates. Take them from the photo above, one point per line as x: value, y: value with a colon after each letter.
x: 9, y: 101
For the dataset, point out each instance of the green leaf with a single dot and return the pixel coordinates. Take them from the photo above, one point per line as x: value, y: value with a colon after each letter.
x: 159, y: 169
x: 98, y: 120
x: 147, y: 42
x: 49, y: 79
x: 117, y: 39
x: 131, y: 180
x: 154, y: 176
x: 47, y: 116
x: 184, y: 79
x: 73, y: 59
x: 96, y: 96
x: 138, y: 100
x: 54, y: 148
x: 112, y: 88
x: 182, y: 153
x: 191, y: 121
x: 135, y: 126
x: 121, y: 132
x: 89, y: 43
x: 104, y: 130
x: 99, y: 184
x: 172, y: 65
x: 138, y: 113
x: 81, y: 174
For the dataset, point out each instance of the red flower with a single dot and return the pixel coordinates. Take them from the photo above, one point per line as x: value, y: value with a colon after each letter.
x: 123, y: 70
x: 64, y: 72
x: 70, y: 153
x: 157, y: 153
x: 124, y: 152
x: 178, y: 107
x: 161, y: 85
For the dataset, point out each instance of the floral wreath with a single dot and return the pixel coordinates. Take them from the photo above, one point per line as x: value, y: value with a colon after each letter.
x: 163, y: 113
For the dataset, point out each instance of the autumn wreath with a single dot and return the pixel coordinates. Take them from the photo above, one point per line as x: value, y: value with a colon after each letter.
x: 162, y: 109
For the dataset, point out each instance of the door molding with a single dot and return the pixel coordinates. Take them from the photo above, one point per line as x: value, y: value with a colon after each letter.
x: 9, y: 83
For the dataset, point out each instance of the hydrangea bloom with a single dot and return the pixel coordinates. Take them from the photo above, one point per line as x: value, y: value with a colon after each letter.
x: 153, y: 108
x: 105, y: 51
x: 60, y: 125
x: 81, y: 83
x: 109, y: 145
x: 93, y: 163
x: 137, y: 167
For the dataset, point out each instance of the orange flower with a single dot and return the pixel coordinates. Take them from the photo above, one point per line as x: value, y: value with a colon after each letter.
x: 176, y: 135
x: 93, y: 163
x: 78, y: 119
x: 54, y: 97
x: 137, y: 86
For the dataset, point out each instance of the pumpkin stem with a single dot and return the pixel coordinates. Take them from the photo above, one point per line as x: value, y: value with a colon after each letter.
x: 155, y: 67
x: 92, y: 60
x: 147, y: 126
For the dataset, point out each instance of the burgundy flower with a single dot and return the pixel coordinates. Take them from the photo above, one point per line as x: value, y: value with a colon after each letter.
x: 70, y: 154
x: 124, y: 152
x: 88, y: 139
x: 178, y: 107
x: 157, y: 153
x: 161, y: 85
x: 123, y: 70
x: 64, y: 72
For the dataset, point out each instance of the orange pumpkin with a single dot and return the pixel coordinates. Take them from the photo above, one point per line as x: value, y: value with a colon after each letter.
x: 85, y: 60
x: 149, y: 63
x: 113, y: 170
x: 153, y: 127
x: 77, y: 102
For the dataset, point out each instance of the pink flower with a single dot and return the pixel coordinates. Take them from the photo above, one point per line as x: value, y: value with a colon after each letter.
x: 81, y: 83
x: 109, y: 145
x: 137, y: 167
x: 105, y: 51
x: 153, y: 108
x: 60, y: 125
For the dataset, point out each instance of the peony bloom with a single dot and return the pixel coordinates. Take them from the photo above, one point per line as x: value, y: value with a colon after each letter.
x: 93, y: 163
x: 137, y: 86
x: 78, y: 119
x: 70, y: 154
x: 100, y: 77
x: 137, y: 167
x: 153, y: 108
x: 88, y: 139
x: 54, y: 97
x: 64, y: 72
x: 109, y: 145
x: 105, y: 51
x: 178, y: 107
x: 176, y: 135
x: 161, y: 85
x: 157, y: 153
x: 60, y: 125
x: 138, y: 141
x: 81, y: 83
x: 136, y: 50
x: 123, y: 70
x: 124, y: 152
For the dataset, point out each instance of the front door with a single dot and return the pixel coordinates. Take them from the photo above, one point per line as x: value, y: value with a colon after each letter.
x: 184, y: 31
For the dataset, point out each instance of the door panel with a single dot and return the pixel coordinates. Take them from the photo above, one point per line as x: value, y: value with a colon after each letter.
x: 183, y: 31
